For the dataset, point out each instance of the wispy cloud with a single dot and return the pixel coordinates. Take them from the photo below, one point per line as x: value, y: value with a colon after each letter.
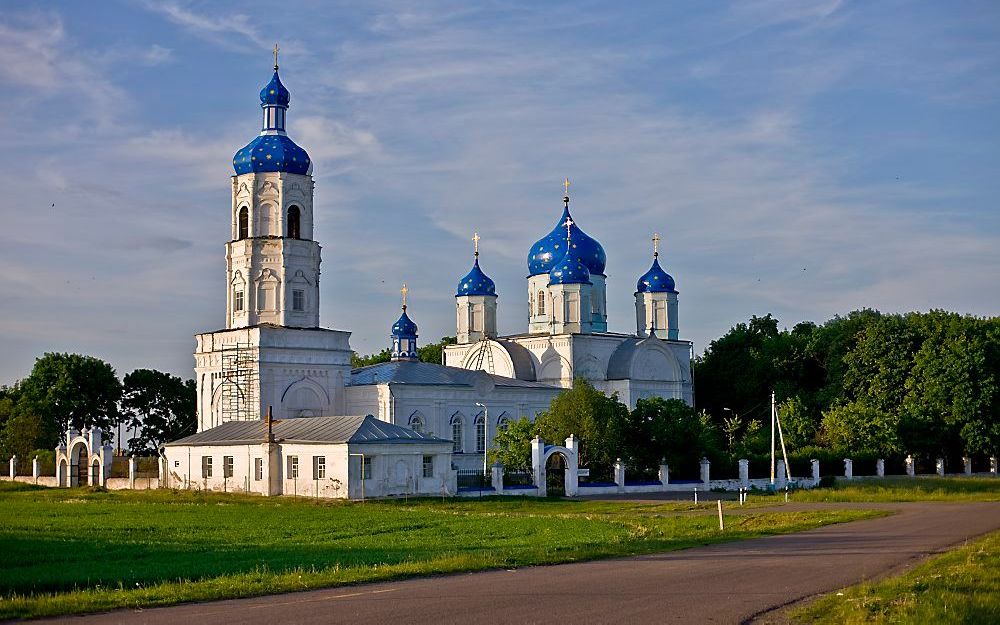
x: 216, y: 27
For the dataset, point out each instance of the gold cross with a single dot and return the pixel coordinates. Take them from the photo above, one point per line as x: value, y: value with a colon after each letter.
x: 569, y: 222
x: 566, y: 185
x: 656, y: 244
x: 404, y: 291
x: 276, y: 57
x: 475, y: 242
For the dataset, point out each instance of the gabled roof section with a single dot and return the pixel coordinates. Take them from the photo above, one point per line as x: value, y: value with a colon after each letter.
x: 366, y: 429
x: 426, y: 373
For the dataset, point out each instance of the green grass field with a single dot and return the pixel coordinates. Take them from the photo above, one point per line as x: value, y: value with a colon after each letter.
x: 907, y: 489
x: 67, y: 551
x: 961, y: 586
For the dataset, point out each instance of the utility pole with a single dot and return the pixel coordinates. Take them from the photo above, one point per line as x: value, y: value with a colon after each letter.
x: 773, y: 417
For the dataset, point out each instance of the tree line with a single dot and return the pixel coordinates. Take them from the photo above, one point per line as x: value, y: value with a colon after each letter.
x: 74, y: 391
x: 882, y: 384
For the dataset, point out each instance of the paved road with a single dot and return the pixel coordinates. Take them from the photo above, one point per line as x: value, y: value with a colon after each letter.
x: 727, y: 583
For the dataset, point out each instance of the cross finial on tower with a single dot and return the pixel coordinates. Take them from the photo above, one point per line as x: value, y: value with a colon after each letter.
x: 404, y: 291
x: 475, y: 242
x: 568, y: 224
x: 276, y: 49
x: 656, y: 244
x: 566, y: 186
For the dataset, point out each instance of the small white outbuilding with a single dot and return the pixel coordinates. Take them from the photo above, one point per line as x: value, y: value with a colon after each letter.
x: 337, y: 457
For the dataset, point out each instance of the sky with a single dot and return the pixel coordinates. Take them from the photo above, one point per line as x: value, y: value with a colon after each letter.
x: 800, y: 158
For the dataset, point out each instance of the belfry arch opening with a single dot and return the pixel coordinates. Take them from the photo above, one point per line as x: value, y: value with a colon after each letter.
x: 244, y: 224
x: 294, y: 222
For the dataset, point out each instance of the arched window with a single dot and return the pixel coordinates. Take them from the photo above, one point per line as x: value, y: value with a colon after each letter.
x: 244, y: 229
x: 480, y: 434
x: 456, y: 434
x: 417, y: 422
x: 541, y: 302
x: 503, y: 423
x: 294, y: 223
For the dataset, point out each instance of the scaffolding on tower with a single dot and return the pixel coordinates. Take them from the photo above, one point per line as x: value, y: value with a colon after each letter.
x: 240, y: 383
x: 483, y: 353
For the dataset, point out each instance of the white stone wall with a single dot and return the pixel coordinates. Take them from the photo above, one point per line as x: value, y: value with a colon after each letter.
x: 438, y: 406
x: 301, y: 372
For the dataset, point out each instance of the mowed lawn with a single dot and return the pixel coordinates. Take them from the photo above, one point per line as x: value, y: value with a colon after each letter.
x: 73, y: 550
x: 906, y: 489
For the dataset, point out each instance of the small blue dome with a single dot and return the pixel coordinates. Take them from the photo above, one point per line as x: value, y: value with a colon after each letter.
x: 271, y: 153
x: 655, y: 280
x: 274, y: 93
x: 570, y: 269
x: 404, y: 327
x: 544, y: 254
x: 476, y: 283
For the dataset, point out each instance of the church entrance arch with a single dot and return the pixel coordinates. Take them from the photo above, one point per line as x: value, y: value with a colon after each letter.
x: 78, y: 464
x: 555, y: 475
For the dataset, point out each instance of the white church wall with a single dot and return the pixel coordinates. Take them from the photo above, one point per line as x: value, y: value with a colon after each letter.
x: 185, y: 468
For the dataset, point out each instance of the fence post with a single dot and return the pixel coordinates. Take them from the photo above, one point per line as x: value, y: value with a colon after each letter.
x: 814, y: 465
x: 538, y: 464
x: 498, y: 477
x: 967, y: 462
x: 36, y: 468
x: 848, y: 468
x: 939, y: 466
x: 993, y: 465
x: 572, y: 472
x: 664, y: 472
x: 620, y: 474
x: 744, y: 472
x: 13, y: 467
x: 132, y: 470
x: 782, y: 480
x: 706, y: 467
x: 880, y: 467
x: 911, y: 468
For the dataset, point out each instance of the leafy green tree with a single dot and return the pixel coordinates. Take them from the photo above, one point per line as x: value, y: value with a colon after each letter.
x: 797, y: 424
x: 512, y: 445
x: 70, y: 390
x: 668, y: 429
x: 358, y: 361
x: 859, y: 428
x: 23, y: 433
x: 432, y: 353
x: 158, y: 407
x: 597, y: 420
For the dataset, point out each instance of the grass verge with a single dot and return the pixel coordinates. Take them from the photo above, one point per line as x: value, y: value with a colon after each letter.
x: 894, y: 489
x: 961, y: 586
x: 74, y: 550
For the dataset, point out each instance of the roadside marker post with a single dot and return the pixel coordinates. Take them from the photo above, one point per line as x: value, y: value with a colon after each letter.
x: 722, y: 525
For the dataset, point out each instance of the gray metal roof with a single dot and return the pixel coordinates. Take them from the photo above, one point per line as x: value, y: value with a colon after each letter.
x: 309, y: 430
x: 620, y: 364
x: 411, y: 372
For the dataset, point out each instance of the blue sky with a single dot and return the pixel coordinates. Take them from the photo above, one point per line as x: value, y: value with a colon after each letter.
x: 799, y: 158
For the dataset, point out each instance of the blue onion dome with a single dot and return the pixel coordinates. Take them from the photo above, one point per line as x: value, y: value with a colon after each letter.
x: 476, y: 283
x: 274, y: 93
x: 655, y: 280
x: 404, y: 326
x: 272, y: 153
x: 544, y: 254
x: 570, y: 269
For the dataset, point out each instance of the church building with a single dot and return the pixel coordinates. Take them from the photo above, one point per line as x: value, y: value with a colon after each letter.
x: 272, y: 353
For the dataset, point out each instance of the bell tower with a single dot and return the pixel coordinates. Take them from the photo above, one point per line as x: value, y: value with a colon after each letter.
x: 272, y: 261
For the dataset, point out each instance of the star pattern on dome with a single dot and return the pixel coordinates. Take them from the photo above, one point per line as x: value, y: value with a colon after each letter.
x: 476, y: 282
x: 547, y: 251
x: 268, y: 153
x: 656, y: 280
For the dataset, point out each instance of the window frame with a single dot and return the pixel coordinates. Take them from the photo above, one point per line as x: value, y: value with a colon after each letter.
x: 228, y: 465
x: 206, y: 467
x: 298, y: 300
x: 239, y: 301
x: 480, y: 424
x: 319, y: 467
x: 427, y: 466
x: 457, y: 433
x: 293, y: 467
x: 366, y: 467
x: 258, y: 469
